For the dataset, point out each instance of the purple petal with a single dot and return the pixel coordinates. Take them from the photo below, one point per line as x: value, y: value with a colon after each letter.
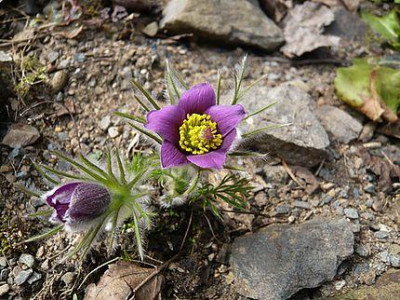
x: 214, y: 159
x: 226, y: 116
x: 166, y: 122
x: 228, y: 140
x: 198, y: 99
x: 88, y: 201
x: 210, y: 160
x: 59, y: 198
x: 171, y: 156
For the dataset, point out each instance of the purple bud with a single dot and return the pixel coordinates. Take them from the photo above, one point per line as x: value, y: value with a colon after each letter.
x: 76, y: 203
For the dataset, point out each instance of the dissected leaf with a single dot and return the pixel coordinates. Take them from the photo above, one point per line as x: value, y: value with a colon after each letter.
x: 372, y: 89
x: 387, y: 26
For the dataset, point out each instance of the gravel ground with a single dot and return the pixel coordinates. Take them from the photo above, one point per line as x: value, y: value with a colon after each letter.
x: 90, y: 79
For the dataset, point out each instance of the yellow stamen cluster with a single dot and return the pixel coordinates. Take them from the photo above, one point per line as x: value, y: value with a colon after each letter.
x: 198, y: 134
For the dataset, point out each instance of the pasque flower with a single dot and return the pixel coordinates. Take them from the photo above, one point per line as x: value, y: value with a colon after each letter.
x: 78, y: 203
x: 196, y: 130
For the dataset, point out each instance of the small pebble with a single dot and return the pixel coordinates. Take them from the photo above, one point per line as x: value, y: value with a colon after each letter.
x: 113, y: 132
x: 282, y: 209
x: 362, y: 250
x: 370, y: 188
x: 301, y: 204
x: 27, y: 259
x: 381, y: 234
x: 377, y: 206
x: 35, y: 277
x: 351, y: 213
x: 105, y: 123
x: 3, y: 262
x: 384, y: 256
x: 22, y: 277
x: 395, y: 260
x: 68, y: 278
x: 4, y: 289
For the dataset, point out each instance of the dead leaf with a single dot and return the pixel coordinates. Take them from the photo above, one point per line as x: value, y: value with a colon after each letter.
x: 373, y: 107
x: 382, y: 168
x: 24, y: 35
x: 119, y: 281
x: 312, y: 183
x: 391, y: 129
x: 303, y: 28
x: 71, y: 34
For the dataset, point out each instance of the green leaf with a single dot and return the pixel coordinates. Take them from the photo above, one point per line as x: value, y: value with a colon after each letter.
x: 352, y: 84
x: 372, y: 89
x: 387, y: 26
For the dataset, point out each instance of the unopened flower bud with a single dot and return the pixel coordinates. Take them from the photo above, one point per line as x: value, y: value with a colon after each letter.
x: 78, y: 203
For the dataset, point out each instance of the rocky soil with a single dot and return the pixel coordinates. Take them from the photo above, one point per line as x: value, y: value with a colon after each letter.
x: 324, y: 211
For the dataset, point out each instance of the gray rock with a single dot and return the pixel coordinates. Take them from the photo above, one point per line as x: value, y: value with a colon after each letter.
x: 27, y: 259
x: 22, y: 277
x: 35, y: 277
x: 301, y: 204
x: 283, y: 259
x: 362, y: 250
x: 384, y: 256
x: 304, y: 142
x: 235, y: 22
x: 381, y: 234
x: 343, y: 127
x: 4, y: 289
x: 53, y: 56
x: 347, y: 25
x: 351, y: 213
x: 20, y: 135
x: 282, y: 209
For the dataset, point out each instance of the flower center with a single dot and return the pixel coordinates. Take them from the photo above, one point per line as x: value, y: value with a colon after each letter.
x: 198, y: 134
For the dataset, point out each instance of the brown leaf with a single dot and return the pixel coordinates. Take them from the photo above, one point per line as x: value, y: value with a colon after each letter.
x: 71, y: 34
x: 372, y: 107
x: 308, y: 177
x: 382, y: 168
x: 303, y: 28
x: 120, y: 280
x: 391, y: 129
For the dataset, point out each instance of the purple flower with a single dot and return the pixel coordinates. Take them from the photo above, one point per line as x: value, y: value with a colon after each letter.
x: 76, y: 203
x: 196, y: 130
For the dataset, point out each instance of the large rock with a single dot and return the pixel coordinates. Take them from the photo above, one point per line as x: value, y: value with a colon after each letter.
x: 304, y: 142
x: 343, y: 127
x: 20, y: 135
x: 237, y: 22
x: 276, y: 263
